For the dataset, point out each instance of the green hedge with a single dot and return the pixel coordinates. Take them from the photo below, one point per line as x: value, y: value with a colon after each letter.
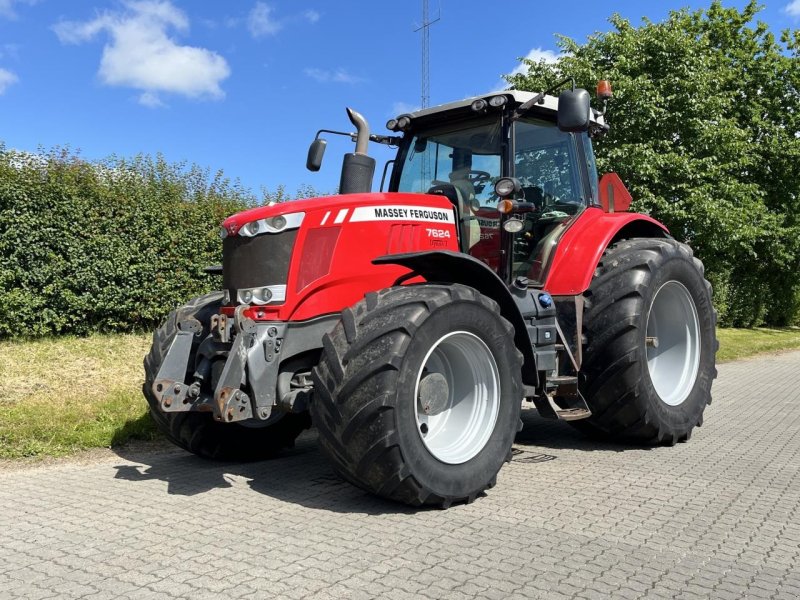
x: 105, y: 246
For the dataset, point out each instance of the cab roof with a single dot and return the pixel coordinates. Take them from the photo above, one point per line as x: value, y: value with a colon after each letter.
x: 515, y: 97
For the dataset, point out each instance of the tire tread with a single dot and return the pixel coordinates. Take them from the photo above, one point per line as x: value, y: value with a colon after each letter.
x: 365, y: 353
x: 610, y: 379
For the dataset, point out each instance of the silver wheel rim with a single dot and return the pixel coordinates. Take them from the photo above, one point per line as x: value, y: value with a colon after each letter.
x: 673, y: 343
x: 462, y: 429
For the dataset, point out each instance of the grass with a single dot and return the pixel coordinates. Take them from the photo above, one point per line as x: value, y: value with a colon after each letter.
x: 740, y: 343
x: 59, y: 396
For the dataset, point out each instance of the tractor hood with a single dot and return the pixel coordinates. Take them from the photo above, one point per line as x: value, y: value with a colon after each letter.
x: 337, y: 209
x: 296, y: 260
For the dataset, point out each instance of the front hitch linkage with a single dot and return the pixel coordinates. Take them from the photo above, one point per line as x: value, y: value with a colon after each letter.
x: 229, y: 403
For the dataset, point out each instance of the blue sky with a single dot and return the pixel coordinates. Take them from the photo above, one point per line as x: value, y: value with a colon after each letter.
x: 244, y: 85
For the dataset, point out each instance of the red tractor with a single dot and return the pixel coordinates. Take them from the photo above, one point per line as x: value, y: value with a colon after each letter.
x: 408, y: 326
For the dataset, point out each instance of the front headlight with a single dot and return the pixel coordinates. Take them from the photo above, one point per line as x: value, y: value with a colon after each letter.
x: 277, y: 223
x: 505, y: 186
x: 271, y: 294
x: 272, y: 224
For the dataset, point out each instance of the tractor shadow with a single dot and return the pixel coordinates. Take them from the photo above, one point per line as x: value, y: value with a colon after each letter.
x: 543, y: 434
x: 299, y: 476
x: 303, y: 476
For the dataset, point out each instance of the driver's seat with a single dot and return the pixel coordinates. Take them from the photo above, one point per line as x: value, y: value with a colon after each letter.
x: 460, y: 180
x: 466, y: 193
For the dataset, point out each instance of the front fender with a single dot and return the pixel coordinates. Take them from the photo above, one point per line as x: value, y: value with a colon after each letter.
x: 582, y: 245
x: 442, y: 266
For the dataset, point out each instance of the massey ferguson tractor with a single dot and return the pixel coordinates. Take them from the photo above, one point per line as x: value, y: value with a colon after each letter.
x: 410, y: 325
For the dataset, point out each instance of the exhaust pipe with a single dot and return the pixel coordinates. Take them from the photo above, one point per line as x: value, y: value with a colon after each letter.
x: 358, y: 168
x: 362, y: 127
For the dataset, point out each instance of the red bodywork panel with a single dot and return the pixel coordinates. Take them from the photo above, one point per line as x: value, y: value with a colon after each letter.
x: 581, y: 246
x: 331, y: 265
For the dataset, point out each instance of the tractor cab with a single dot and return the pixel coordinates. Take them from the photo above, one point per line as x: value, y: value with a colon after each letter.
x: 515, y: 177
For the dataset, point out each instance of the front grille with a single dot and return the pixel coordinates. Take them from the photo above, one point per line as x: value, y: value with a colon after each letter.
x: 263, y: 260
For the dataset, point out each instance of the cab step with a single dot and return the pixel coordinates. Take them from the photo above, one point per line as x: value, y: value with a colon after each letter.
x: 569, y: 414
x: 559, y: 380
x: 571, y: 405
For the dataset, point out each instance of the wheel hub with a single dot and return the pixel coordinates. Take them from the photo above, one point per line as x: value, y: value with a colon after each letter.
x: 433, y: 393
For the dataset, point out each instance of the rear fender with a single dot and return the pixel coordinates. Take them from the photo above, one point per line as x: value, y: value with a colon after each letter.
x: 582, y: 246
x: 454, y: 267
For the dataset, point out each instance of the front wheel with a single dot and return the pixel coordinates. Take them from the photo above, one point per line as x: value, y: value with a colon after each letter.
x: 650, y: 328
x: 418, y: 394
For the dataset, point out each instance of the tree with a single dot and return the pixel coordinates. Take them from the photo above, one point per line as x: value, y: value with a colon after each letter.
x: 705, y: 131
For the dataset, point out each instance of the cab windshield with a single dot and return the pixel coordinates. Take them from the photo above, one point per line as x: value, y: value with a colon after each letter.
x: 469, y: 156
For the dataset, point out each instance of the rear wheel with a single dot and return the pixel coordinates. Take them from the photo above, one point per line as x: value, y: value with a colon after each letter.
x: 418, y: 393
x: 198, y: 432
x: 648, y: 363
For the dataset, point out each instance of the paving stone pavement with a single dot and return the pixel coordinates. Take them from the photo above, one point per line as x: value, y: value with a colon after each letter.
x: 716, y: 517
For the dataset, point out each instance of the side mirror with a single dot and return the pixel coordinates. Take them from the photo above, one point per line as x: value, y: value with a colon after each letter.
x: 573, y: 110
x: 315, y: 153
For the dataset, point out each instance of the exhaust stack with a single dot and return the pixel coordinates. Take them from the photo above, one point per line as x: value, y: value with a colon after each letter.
x: 358, y: 168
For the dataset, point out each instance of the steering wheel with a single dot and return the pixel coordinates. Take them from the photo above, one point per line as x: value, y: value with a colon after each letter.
x: 479, y: 177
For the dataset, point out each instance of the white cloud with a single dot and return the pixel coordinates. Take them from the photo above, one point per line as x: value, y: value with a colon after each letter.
x: 142, y: 55
x: 7, y: 78
x: 335, y: 76
x: 793, y: 8
x: 538, y: 55
x: 7, y: 7
x: 260, y: 21
x: 150, y: 100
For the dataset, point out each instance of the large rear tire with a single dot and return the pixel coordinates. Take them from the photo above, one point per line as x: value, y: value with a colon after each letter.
x: 199, y: 433
x: 418, y: 393
x: 648, y: 363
